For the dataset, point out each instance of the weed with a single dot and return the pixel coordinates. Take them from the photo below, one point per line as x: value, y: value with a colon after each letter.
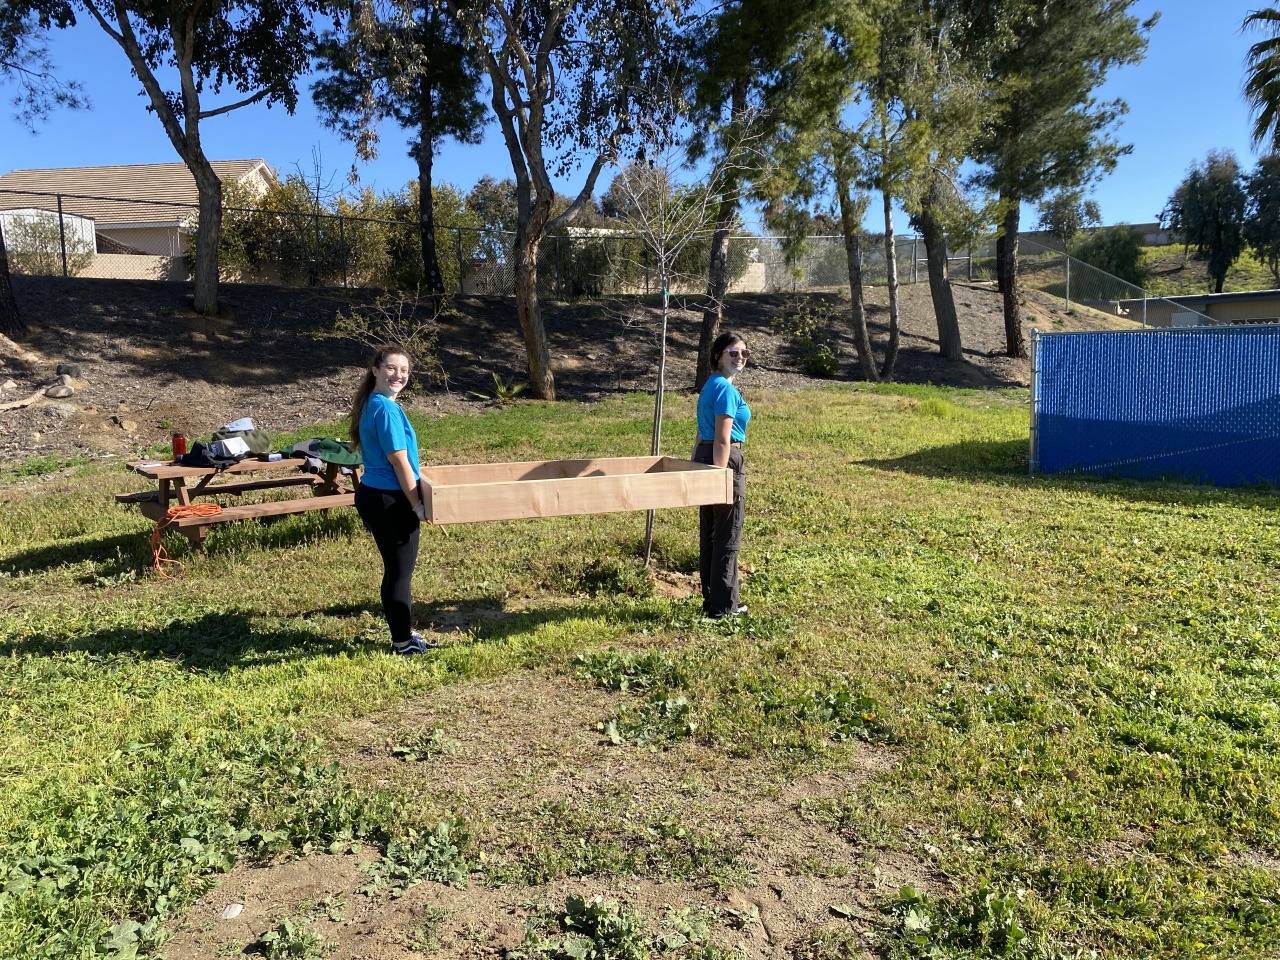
x: 595, y: 929
x: 812, y: 336
x: 41, y: 466
x: 424, y: 745
x: 656, y: 722
x: 504, y: 391
x: 982, y: 924
x: 425, y: 937
x: 829, y: 943
x: 294, y: 940
x: 438, y: 855
x: 651, y: 670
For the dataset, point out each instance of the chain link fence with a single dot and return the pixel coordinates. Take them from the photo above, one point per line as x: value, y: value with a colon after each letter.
x: 86, y: 236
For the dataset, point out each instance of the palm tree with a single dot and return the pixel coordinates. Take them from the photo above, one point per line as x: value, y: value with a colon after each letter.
x: 1262, y: 81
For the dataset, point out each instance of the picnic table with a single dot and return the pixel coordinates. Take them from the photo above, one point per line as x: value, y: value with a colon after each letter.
x: 179, y: 486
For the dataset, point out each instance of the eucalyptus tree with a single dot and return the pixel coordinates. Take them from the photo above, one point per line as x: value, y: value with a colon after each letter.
x: 823, y: 145
x: 939, y: 92
x: 1207, y: 210
x: 1064, y: 214
x: 254, y: 49
x: 1262, y: 219
x: 739, y: 49
x: 1043, y: 62
x: 1262, y: 77
x: 566, y: 78
x: 25, y: 62
x: 402, y: 60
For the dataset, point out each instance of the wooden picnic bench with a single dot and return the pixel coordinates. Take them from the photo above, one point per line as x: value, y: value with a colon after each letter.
x: 179, y: 485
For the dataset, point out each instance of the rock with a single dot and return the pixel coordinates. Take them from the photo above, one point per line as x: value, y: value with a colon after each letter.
x: 128, y: 426
x: 65, y: 380
x: 232, y: 911
x: 69, y: 369
x: 59, y: 391
x: 60, y: 411
x: 8, y: 385
x: 122, y: 407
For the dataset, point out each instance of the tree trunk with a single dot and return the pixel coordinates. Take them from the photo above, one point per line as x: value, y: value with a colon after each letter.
x: 207, y: 236
x: 10, y: 320
x: 851, y: 212
x: 542, y: 383
x: 718, y: 268
x: 891, y: 265
x: 944, y: 304
x: 717, y: 287
x: 424, y: 154
x: 432, y: 278
x: 1007, y: 270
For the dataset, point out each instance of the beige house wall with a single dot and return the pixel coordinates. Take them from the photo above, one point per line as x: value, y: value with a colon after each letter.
x: 1245, y: 311
x: 123, y: 266
x: 160, y: 241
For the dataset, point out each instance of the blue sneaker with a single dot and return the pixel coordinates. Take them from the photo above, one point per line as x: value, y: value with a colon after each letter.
x: 416, y: 643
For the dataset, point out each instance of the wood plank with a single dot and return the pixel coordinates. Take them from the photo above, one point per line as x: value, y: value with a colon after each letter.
x: 270, y: 483
x: 464, y: 473
x: 574, y: 487
x: 276, y: 508
x: 170, y: 471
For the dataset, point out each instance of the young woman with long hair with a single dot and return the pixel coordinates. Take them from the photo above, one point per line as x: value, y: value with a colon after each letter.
x: 387, y: 498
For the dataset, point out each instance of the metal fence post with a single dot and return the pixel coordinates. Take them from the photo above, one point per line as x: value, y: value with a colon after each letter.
x: 1144, y: 309
x: 970, y: 259
x: 915, y: 258
x: 1033, y: 462
x: 62, y: 237
x: 559, y: 277
x: 1066, y: 295
x: 457, y: 242
x: 342, y: 247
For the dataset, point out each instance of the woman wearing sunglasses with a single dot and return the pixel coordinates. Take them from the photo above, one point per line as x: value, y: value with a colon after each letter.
x: 722, y: 429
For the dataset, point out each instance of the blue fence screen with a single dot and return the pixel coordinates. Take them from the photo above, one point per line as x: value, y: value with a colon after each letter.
x: 1198, y: 404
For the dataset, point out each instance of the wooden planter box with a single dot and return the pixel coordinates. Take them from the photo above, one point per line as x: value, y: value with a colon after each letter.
x: 469, y: 493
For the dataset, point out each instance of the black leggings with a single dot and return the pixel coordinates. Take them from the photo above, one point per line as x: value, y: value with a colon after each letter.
x: 394, y: 525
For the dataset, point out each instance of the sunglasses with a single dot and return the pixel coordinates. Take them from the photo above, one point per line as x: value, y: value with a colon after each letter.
x: 744, y: 353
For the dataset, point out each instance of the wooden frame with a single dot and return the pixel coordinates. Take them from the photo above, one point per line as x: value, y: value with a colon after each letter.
x: 471, y: 493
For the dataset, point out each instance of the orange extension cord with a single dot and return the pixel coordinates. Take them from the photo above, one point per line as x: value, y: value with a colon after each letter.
x: 158, y: 554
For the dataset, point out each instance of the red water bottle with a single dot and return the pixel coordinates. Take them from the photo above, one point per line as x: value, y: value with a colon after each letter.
x: 179, y: 445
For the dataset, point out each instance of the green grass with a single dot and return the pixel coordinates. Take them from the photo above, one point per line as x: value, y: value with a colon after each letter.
x: 1078, y: 679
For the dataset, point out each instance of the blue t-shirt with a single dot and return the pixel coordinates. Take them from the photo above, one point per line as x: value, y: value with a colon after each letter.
x: 384, y: 429
x: 720, y: 398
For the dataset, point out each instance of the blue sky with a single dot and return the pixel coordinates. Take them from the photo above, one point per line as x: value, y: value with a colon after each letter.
x: 1184, y: 100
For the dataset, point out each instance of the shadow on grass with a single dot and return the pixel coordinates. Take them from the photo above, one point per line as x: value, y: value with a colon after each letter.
x: 111, y: 556
x: 1005, y: 462
x: 217, y: 641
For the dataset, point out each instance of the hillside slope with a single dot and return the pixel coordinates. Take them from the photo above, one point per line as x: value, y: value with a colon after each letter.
x: 148, y: 365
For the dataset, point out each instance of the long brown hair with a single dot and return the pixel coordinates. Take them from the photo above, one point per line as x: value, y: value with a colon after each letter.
x: 367, y: 385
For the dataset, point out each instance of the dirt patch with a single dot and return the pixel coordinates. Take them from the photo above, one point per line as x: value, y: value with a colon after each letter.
x: 517, y: 755
x: 148, y: 365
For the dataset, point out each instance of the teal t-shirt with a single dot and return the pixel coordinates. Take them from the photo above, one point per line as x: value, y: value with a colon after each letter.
x: 385, y: 429
x: 720, y: 398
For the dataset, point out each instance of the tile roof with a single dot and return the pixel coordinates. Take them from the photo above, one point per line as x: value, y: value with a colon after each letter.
x: 133, y: 193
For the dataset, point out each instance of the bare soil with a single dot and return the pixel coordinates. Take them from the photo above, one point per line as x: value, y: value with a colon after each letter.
x: 528, y: 743
x: 148, y: 365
